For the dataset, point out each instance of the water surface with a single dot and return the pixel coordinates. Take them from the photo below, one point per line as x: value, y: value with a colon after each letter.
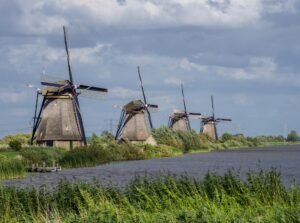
x: 284, y: 158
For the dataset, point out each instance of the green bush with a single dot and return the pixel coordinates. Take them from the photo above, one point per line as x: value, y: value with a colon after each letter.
x: 99, y: 154
x: 40, y: 155
x: 15, y: 145
x: 190, y: 140
x: 23, y: 138
x: 292, y: 136
x: 184, y: 140
x: 226, y: 137
x: 166, y: 136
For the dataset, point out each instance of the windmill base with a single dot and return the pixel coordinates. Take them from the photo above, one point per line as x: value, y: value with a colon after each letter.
x: 68, y: 145
x: 150, y: 140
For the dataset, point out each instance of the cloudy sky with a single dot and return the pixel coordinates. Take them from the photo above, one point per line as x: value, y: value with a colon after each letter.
x: 244, y: 52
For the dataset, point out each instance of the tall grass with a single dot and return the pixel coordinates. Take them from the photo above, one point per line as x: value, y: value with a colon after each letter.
x: 261, y: 198
x: 184, y: 140
x: 10, y: 169
x: 39, y: 155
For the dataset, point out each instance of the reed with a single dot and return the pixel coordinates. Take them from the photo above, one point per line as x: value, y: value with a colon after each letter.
x: 10, y: 169
x: 261, y: 198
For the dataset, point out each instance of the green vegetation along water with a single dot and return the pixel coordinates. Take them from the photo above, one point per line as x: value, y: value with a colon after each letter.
x: 104, y: 149
x: 260, y: 198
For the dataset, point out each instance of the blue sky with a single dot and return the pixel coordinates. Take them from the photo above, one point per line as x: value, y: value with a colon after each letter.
x: 245, y: 53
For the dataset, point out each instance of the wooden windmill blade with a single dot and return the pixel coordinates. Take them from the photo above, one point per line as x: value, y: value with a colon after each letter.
x: 212, y: 106
x: 48, y: 80
x: 152, y: 107
x: 144, y: 96
x: 91, y: 91
x: 184, y: 105
x: 224, y: 119
x: 78, y: 113
x: 37, y: 119
x: 194, y: 115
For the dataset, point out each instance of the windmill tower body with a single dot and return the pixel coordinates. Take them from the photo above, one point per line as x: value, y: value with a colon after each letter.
x: 179, y: 121
x: 135, y: 123
x: 59, y: 123
x: 210, y: 129
x: 181, y: 124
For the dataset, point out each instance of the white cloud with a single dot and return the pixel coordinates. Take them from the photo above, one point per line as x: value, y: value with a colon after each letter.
x: 48, y: 16
x: 260, y: 68
x: 39, y: 51
x: 279, y: 6
x: 187, y: 65
x: 123, y: 93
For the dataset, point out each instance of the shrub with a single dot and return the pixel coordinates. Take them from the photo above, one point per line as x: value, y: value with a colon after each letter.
x: 159, y: 151
x: 15, y: 145
x: 23, y: 138
x: 38, y: 155
x: 99, y: 154
x: 292, y: 136
x: 190, y: 140
x: 166, y: 136
x: 184, y: 140
x: 226, y: 137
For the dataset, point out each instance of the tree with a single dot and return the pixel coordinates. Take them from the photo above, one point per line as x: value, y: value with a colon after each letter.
x: 226, y: 136
x: 292, y: 136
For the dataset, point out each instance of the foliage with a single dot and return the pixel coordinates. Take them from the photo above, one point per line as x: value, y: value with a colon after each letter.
x: 23, y: 138
x: 292, y: 136
x: 185, y: 140
x: 39, y: 155
x: 261, y: 198
x: 11, y: 168
x: 15, y: 145
x: 166, y: 136
x: 226, y: 136
x: 104, y: 149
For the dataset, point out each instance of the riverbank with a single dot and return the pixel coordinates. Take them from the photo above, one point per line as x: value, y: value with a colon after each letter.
x: 14, y: 163
x: 120, y: 173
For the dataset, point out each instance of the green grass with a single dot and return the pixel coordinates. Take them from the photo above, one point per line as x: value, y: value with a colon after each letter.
x: 261, y: 198
x: 10, y: 154
x: 10, y: 169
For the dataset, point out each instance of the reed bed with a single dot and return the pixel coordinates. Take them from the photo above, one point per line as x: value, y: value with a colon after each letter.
x: 10, y: 169
x: 260, y: 198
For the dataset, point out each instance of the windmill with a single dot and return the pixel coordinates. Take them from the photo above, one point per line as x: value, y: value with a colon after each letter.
x: 179, y: 120
x: 209, y: 124
x: 59, y: 121
x: 135, y: 122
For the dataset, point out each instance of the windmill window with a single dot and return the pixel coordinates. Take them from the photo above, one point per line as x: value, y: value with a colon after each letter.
x: 49, y: 143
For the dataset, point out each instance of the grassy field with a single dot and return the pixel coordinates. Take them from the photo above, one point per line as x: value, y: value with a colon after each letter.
x: 261, y: 198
